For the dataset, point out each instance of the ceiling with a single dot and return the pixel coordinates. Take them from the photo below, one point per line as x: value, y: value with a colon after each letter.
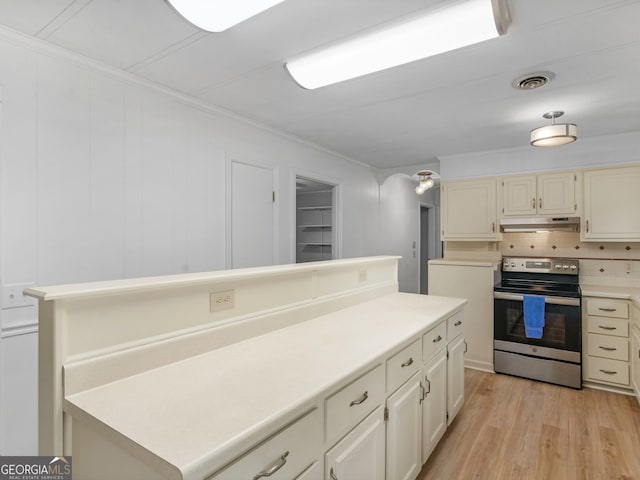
x: 454, y: 103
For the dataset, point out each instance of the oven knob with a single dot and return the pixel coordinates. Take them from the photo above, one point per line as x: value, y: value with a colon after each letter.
x: 565, y: 267
x: 513, y: 264
x: 558, y: 267
x: 573, y: 267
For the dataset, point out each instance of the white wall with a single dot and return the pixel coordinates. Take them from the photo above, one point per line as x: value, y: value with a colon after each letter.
x: 104, y: 177
x: 400, y: 226
x: 586, y: 152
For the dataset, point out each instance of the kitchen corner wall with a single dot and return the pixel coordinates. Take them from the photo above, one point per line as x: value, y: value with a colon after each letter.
x: 106, y: 176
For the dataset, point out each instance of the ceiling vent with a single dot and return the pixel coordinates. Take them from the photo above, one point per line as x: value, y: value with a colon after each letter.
x: 532, y: 81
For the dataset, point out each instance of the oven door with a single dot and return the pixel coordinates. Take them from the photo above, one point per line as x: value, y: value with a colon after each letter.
x: 562, y: 318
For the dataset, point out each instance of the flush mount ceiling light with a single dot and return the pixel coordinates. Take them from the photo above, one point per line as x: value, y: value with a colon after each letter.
x: 554, y: 134
x: 217, y: 16
x: 425, y: 183
x: 437, y: 31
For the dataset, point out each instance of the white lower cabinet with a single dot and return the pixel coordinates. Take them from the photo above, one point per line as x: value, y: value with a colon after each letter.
x: 635, y: 360
x: 283, y: 456
x: 434, y: 405
x: 455, y: 377
x: 314, y: 472
x: 404, y: 435
x: 361, y: 453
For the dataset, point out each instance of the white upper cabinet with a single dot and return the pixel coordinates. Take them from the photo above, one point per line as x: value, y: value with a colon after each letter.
x: 547, y: 194
x: 611, y: 205
x: 469, y: 210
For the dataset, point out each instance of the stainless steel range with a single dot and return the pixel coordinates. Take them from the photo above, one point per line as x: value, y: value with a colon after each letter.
x: 555, y: 356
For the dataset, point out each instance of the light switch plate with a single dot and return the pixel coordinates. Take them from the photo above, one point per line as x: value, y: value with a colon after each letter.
x: 12, y: 296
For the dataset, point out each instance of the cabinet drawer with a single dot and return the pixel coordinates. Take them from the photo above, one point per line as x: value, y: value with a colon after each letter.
x: 616, y: 348
x: 608, y: 326
x: 454, y: 325
x: 604, y: 307
x: 433, y: 341
x: 607, y: 370
x: 403, y: 364
x: 286, y: 454
x: 348, y: 406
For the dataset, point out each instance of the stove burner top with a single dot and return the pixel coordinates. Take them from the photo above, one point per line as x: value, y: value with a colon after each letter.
x: 526, y: 276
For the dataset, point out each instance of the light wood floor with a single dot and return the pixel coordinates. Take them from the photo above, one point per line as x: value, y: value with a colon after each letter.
x: 512, y: 428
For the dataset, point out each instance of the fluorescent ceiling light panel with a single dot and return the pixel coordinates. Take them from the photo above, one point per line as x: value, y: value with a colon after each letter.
x: 219, y: 15
x: 431, y: 33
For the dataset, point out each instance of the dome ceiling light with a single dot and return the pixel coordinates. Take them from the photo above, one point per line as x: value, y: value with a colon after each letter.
x: 555, y: 134
x: 426, y: 182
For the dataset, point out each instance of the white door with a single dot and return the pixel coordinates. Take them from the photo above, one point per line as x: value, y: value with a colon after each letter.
x: 359, y: 455
x: 519, y: 195
x: 434, y: 407
x: 252, y: 221
x: 455, y: 377
x: 404, y: 431
x: 557, y: 193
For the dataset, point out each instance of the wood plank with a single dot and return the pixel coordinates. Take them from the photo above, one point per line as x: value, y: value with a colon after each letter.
x: 514, y: 428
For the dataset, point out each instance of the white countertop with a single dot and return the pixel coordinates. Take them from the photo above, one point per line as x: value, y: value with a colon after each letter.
x: 197, y: 414
x: 608, y: 291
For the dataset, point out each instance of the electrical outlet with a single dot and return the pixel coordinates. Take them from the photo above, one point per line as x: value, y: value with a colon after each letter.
x: 222, y: 300
x: 12, y: 296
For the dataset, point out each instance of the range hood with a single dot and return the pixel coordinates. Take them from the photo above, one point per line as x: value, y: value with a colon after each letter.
x: 540, y: 224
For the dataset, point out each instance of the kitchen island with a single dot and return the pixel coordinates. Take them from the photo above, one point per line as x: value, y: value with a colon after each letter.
x: 306, y: 360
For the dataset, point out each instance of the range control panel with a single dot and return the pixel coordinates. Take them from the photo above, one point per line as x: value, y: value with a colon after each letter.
x: 567, y: 266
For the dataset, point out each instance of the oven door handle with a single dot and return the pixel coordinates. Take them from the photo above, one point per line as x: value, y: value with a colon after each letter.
x: 573, y: 302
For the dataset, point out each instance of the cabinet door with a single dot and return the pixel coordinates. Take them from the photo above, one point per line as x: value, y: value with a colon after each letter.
x: 611, y: 199
x: 469, y: 210
x: 455, y: 377
x: 361, y: 453
x: 434, y: 406
x: 404, y: 431
x: 519, y: 196
x: 557, y: 193
x: 635, y: 361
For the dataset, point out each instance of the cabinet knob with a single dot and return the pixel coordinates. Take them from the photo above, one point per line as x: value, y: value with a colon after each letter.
x: 540, y: 203
x: 587, y: 226
x: 533, y: 203
x: 437, y: 339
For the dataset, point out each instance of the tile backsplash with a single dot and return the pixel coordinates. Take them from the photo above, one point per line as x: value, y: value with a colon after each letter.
x: 605, y: 263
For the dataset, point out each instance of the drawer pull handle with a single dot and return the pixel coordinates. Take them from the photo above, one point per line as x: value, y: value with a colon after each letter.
x: 608, y: 372
x: 437, y: 339
x: 364, y: 396
x: 607, y: 309
x: 332, y: 475
x: 458, y: 323
x: 273, y: 468
x: 423, y: 394
x: 608, y: 349
x: 607, y: 328
x: 466, y: 347
x: 407, y: 363
x: 428, y: 385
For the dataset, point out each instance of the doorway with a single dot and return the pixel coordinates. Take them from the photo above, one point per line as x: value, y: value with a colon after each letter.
x: 424, y: 248
x: 315, y: 220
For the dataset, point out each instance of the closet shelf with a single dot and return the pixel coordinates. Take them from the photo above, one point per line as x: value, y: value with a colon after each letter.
x: 319, y: 207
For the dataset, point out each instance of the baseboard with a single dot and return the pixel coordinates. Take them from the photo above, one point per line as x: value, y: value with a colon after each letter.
x: 608, y: 388
x: 476, y: 365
